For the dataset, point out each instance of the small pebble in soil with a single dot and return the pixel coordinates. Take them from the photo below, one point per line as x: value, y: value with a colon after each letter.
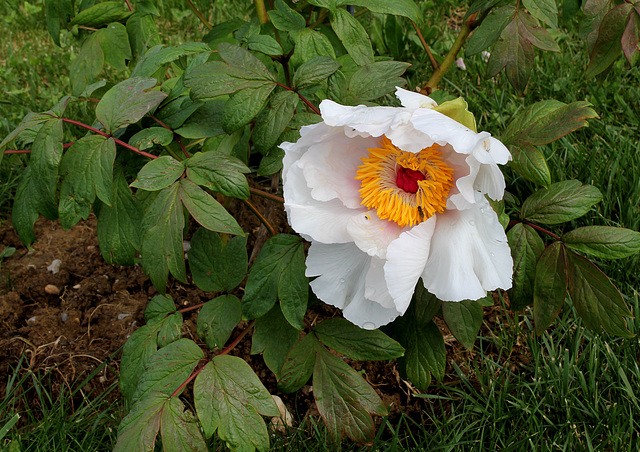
x: 55, y: 266
x: 51, y: 289
x: 64, y: 317
x: 77, y: 286
x: 123, y: 316
x: 31, y: 320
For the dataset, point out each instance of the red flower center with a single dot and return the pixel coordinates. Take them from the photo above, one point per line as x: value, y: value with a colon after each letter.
x: 407, y: 179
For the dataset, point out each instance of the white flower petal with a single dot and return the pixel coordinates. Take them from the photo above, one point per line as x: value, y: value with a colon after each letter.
x: 371, y: 234
x: 499, y: 151
x: 413, y: 100
x: 375, y: 288
x: 342, y: 273
x: 406, y: 260
x: 490, y: 181
x: 469, y: 254
x: 374, y: 121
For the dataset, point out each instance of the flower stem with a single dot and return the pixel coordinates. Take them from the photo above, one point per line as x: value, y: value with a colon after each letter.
x: 434, y: 63
x: 100, y: 132
x: 304, y: 99
x: 261, y: 11
x: 261, y: 217
x: 266, y: 195
x: 199, y: 14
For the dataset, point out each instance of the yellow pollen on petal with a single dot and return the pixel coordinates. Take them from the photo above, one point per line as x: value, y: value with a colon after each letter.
x: 388, y: 172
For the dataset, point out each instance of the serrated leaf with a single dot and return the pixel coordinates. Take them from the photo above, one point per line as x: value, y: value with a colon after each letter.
x: 376, y: 79
x: 87, y: 65
x: 547, y: 121
x: 147, y: 138
x: 158, y: 308
x: 179, y: 429
x: 314, y: 72
x: 550, y: 286
x: 356, y: 343
x: 286, y: 19
x: 530, y: 163
x: 273, y: 337
x: 353, y: 36
x: 127, y: 102
x: 162, y: 250
x: 406, y: 8
x: 138, y: 430
x: 244, y: 105
x: 543, y: 10
x: 158, y: 56
x: 298, y: 365
x: 114, y: 41
x: 168, y: 368
x: 217, y: 319
x: 526, y: 248
x: 100, y: 14
x: 605, y: 242
x: 489, y: 30
x: 464, y: 319
x: 119, y: 226
x: 216, y: 268
x: 229, y: 398
x: 596, y: 299
x: 561, y: 202
x: 344, y: 399
x: 159, y: 173
x: 278, y: 272
x: 220, y: 173
x: 87, y: 168
x: 206, y: 210
x: 608, y: 43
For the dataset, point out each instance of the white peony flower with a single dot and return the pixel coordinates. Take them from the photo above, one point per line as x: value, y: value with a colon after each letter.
x: 389, y: 195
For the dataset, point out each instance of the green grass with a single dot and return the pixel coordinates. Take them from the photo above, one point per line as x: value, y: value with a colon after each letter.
x: 579, y: 389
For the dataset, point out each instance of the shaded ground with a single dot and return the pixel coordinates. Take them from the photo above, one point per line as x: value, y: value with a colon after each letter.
x: 71, y: 320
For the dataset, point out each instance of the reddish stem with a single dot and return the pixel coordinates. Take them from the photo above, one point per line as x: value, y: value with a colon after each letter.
x: 538, y: 228
x: 190, y: 379
x: 184, y: 150
x: 237, y: 340
x: 261, y: 217
x: 27, y: 151
x: 266, y: 195
x: 128, y: 5
x: 304, y: 99
x: 100, y: 132
x: 191, y: 308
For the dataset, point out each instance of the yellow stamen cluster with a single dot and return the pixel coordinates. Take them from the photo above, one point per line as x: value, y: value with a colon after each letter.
x: 380, y: 191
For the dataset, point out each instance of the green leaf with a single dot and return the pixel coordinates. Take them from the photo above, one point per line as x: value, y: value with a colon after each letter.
x: 216, y: 78
x: 489, y: 30
x: 229, y: 398
x: 206, y: 210
x: 127, y: 102
x: 162, y: 249
x: 147, y: 138
x: 356, y: 343
x: 526, y: 248
x: 215, y: 267
x: 514, y: 53
x: 596, y: 299
x: 168, y: 368
x: 406, y: 8
x: 205, y: 122
x: 217, y: 319
x: 220, y: 173
x: 286, y: 19
x: 179, y: 429
x: 561, y: 202
x: 119, y: 225
x: 158, y: 308
x: 424, y: 305
x: 608, y: 43
x: 458, y: 110
x: 550, y: 286
x: 46, y: 153
x: 57, y: 12
x: 631, y: 36
x: 30, y: 121
x: 547, y: 121
x: 376, y: 79
x: 158, y: 56
x: 344, y: 399
x: 336, y: 87
x: 353, y: 36
x: 114, y: 41
x: 605, y: 242
x: 310, y: 44
x: 530, y: 163
x: 298, y: 366
x: 87, y: 168
x: 314, y: 72
x: 142, y: 32
x: 170, y: 330
x: 464, y: 319
x: 25, y: 208
x: 278, y: 272
x: 425, y: 354
x: 273, y: 337
x: 86, y: 67
x: 9, y: 251
x: 72, y: 209
x: 159, y: 173
x: 265, y: 44
x: 138, y: 430
x: 543, y: 10
x: 273, y: 120
x: 244, y: 105
x: 101, y: 14
x: 271, y: 163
